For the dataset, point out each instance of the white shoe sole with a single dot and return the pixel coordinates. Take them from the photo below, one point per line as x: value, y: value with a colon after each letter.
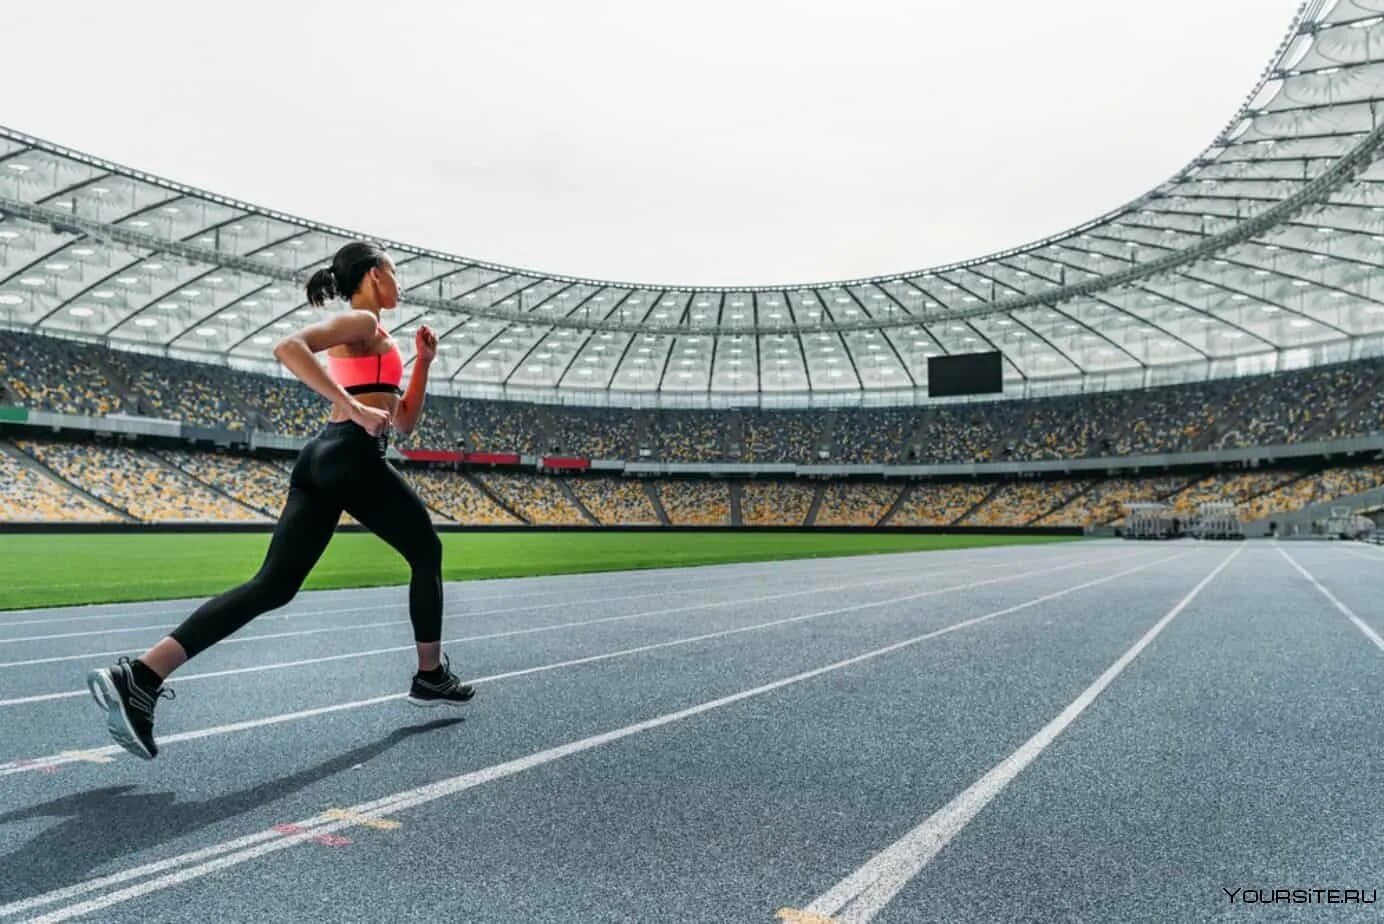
x: 102, y: 687
x: 430, y: 703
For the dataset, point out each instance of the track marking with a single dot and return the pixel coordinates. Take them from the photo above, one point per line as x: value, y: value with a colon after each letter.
x: 5, y: 623
x: 248, y: 724
x: 378, y: 824
x: 552, y: 627
x: 320, y: 630
x: 1364, y: 556
x: 1349, y: 614
x: 532, y: 630
x: 796, y: 916
x: 201, y: 862
x: 89, y: 756
x: 598, y: 578
x: 864, y: 893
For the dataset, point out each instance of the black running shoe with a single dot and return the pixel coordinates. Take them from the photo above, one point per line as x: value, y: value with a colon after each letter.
x: 129, y: 707
x: 449, y: 691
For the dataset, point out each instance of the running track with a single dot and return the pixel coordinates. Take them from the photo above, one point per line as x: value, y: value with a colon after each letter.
x: 1092, y: 732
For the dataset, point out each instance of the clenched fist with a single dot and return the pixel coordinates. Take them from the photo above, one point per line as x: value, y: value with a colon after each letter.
x: 425, y: 343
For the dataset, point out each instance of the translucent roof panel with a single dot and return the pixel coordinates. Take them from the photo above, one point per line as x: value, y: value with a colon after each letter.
x: 1263, y: 252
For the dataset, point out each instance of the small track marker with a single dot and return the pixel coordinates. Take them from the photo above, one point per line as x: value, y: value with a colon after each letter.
x: 379, y: 824
x: 795, y: 916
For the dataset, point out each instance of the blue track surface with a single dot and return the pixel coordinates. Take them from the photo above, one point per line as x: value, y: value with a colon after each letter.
x: 1090, y: 732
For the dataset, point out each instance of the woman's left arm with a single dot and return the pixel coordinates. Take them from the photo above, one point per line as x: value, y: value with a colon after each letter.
x: 411, y: 405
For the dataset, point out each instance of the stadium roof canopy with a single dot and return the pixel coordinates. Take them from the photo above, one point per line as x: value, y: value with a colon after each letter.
x: 1263, y: 253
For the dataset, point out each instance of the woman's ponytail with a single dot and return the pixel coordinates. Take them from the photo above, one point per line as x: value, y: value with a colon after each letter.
x: 321, y: 287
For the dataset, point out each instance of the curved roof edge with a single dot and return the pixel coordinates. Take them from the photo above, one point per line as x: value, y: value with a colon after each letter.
x: 1307, y: 11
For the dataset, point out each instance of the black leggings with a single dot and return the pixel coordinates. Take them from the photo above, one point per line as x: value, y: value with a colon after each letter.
x: 342, y: 468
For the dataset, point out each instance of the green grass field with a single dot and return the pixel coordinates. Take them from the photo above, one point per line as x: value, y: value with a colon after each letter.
x: 51, y: 570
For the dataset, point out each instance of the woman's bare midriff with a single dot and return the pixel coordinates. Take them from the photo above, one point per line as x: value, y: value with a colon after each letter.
x: 382, y: 400
x: 378, y: 399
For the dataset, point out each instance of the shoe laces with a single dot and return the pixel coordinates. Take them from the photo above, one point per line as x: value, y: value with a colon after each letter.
x: 163, y: 692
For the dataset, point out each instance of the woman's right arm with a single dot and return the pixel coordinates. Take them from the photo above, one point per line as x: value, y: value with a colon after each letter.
x: 296, y: 351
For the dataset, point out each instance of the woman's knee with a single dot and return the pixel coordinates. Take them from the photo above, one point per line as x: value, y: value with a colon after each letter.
x: 427, y: 554
x: 273, y: 590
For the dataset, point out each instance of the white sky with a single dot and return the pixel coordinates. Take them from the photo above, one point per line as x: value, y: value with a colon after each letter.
x: 721, y: 141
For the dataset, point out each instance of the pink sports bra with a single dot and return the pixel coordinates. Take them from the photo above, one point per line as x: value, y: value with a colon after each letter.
x: 378, y: 372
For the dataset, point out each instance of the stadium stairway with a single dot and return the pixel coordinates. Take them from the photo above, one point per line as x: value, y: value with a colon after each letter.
x: 735, y: 496
x: 571, y: 495
x: 657, y: 502
x: 1063, y: 503
x: 158, y: 459
x: 898, y: 502
x: 179, y: 475
x: 827, y: 440
x: 811, y: 518
x: 989, y: 495
x: 481, y: 486
x: 1013, y: 436
x: 119, y: 381
x: 34, y: 464
x: 912, y: 446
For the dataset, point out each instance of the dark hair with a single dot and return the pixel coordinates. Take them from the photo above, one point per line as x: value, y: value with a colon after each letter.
x: 343, y: 277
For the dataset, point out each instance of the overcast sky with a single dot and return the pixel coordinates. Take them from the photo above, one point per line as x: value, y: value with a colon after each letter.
x: 717, y: 141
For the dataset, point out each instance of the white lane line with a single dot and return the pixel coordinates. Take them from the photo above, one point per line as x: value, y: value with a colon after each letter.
x: 164, y: 627
x: 1365, y: 556
x: 599, y: 580
x: 1345, y: 610
x: 25, y: 765
x: 531, y: 630
x: 391, y: 623
x: 392, y: 590
x: 243, y: 849
x: 864, y: 893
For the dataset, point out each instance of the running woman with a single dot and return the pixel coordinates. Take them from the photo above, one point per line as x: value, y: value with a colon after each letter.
x: 342, y: 468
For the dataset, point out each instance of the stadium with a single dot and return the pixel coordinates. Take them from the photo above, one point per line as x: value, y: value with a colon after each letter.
x: 920, y: 670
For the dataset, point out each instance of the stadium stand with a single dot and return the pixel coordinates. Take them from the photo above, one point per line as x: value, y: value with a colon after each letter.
x: 537, y: 498
x: 855, y: 504
x: 1326, y: 402
x: 781, y: 436
x: 1019, y: 503
x: 1238, y: 488
x: 615, y: 501
x: 133, y: 481
x: 59, y: 375
x: 28, y: 495
x: 1106, y: 502
x: 43, y: 481
x: 1326, y: 485
x: 457, y: 498
x: 596, y: 433
x: 209, y: 396
x: 256, y: 483
x: 775, y: 503
x: 695, y: 503
x: 690, y: 436
x: 929, y: 504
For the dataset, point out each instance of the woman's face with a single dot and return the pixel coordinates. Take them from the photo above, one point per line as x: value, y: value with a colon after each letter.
x: 386, y: 284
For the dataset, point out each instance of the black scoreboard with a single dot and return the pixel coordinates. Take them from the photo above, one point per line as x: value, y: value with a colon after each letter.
x: 965, y: 374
